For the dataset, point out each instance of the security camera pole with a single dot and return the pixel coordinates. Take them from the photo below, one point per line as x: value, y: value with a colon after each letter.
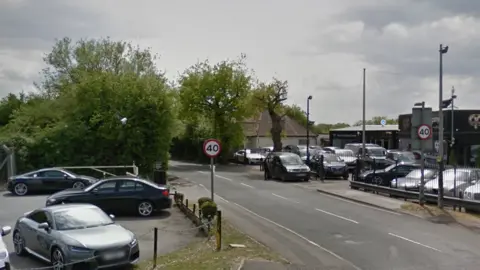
x: 363, y: 114
x: 443, y: 50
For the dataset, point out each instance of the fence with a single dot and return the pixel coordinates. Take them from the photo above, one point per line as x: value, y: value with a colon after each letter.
x: 459, y: 182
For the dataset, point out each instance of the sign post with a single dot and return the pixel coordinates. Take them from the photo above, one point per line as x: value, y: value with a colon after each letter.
x: 212, y: 148
x: 424, y: 132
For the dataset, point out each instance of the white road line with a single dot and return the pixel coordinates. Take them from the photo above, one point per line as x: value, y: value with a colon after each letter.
x: 202, y: 172
x: 223, y: 177
x: 332, y: 214
x: 287, y: 199
x: 243, y: 184
x: 299, y: 235
x: 415, y: 242
x: 216, y: 195
x: 351, y: 202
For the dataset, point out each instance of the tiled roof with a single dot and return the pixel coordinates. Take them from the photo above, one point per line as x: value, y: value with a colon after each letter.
x: 263, y: 124
x: 370, y: 128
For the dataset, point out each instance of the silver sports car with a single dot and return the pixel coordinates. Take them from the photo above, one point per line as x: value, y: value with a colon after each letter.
x: 75, y: 236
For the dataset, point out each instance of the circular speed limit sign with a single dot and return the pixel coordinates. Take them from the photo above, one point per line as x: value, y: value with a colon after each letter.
x: 211, y: 148
x: 424, y: 132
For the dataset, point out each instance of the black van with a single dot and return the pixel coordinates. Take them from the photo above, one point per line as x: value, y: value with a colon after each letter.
x: 286, y: 166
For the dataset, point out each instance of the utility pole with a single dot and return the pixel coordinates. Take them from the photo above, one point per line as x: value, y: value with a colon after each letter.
x: 452, y: 131
x: 363, y: 114
x: 422, y: 169
x: 442, y: 50
x: 308, y: 129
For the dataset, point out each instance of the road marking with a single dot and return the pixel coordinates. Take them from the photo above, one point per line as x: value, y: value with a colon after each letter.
x: 351, y: 202
x: 216, y: 195
x: 298, y: 235
x: 415, y: 242
x: 332, y: 214
x: 223, y: 177
x: 202, y: 172
x: 287, y: 199
x: 246, y: 185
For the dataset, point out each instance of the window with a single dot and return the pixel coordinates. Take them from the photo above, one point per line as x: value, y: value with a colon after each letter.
x: 51, y: 174
x: 302, y: 141
x: 39, y: 217
x: 130, y: 186
x: 80, y: 218
x: 403, y: 169
x: 107, y: 187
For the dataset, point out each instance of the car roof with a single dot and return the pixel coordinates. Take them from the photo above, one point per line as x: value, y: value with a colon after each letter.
x: 131, y: 178
x: 61, y: 207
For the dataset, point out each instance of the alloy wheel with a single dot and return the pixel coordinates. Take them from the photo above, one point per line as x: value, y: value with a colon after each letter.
x: 78, y: 185
x: 20, y: 189
x: 377, y: 180
x: 58, y: 262
x: 145, y: 209
x: 18, y: 243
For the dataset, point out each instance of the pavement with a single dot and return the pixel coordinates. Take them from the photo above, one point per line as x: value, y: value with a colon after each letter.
x: 322, y: 231
x: 174, y: 229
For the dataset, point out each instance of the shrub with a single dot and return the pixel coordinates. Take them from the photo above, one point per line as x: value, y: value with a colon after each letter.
x: 202, y: 200
x: 209, y: 209
x: 179, y: 197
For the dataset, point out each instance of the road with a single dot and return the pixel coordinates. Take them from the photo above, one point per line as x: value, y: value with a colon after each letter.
x: 360, y: 236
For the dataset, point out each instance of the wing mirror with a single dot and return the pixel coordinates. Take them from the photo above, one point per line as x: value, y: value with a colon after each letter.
x: 6, y: 230
x: 111, y: 216
x: 44, y: 226
x: 65, y: 176
x: 35, y: 175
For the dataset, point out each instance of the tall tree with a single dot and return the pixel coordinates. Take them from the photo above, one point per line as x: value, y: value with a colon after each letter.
x: 217, y: 94
x: 271, y: 97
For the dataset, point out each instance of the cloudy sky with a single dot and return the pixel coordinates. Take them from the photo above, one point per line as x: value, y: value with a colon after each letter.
x: 319, y: 46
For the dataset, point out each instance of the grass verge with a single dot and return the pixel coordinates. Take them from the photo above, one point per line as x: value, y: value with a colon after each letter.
x: 469, y: 219
x: 201, y: 255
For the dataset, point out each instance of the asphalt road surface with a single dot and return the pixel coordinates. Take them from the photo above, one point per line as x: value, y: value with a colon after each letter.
x: 357, y: 236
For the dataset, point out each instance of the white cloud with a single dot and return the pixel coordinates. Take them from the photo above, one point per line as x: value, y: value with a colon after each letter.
x: 319, y: 46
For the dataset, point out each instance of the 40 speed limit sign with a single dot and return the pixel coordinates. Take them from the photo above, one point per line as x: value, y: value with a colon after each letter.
x: 424, y: 132
x: 211, y: 148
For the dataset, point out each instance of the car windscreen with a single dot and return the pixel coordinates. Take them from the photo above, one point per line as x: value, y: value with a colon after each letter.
x: 331, y: 158
x: 344, y: 153
x: 405, y: 156
x: 291, y: 160
x: 254, y: 151
x: 417, y: 174
x: 376, y: 152
x: 80, y: 218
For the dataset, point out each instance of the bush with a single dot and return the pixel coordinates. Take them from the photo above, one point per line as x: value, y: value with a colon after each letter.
x: 209, y: 209
x: 202, y: 200
x: 179, y: 197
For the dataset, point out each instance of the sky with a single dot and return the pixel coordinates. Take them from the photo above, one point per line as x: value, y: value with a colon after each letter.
x: 320, y: 47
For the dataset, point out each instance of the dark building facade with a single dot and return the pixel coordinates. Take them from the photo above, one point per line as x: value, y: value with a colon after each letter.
x: 386, y: 136
x: 466, y: 131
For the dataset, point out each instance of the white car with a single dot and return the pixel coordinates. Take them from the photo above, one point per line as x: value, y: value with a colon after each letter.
x: 4, y: 258
x: 252, y: 156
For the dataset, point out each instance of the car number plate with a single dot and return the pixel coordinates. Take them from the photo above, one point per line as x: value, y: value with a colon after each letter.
x: 302, y: 174
x: 113, y: 255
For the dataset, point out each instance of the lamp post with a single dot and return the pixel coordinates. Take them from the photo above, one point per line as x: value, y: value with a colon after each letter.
x: 422, y: 168
x: 308, y: 129
x: 363, y: 113
x: 452, y: 131
x: 442, y: 50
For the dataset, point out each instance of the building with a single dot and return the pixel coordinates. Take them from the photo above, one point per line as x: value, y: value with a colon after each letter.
x: 466, y: 124
x: 257, y: 132
x: 386, y: 136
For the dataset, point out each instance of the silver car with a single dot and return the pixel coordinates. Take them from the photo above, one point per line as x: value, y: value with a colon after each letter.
x: 454, y: 181
x: 75, y: 236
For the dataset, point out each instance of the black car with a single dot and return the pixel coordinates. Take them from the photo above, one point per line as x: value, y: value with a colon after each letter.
x: 402, y: 156
x: 329, y: 165
x: 120, y: 195
x: 375, y: 157
x: 47, y: 180
x: 286, y: 166
x: 412, y: 180
x: 385, y: 176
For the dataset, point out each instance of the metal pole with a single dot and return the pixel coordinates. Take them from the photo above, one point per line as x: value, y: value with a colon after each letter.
x: 363, y: 115
x: 440, y: 130
x: 452, y: 130
x: 422, y: 169
x: 212, y: 172
x: 308, y: 129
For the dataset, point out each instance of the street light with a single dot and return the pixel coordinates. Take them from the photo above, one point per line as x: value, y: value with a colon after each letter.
x: 442, y: 50
x: 422, y: 168
x: 452, y: 133
x: 308, y: 128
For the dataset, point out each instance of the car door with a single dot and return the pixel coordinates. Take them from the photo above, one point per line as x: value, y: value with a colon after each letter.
x: 401, y: 171
x: 240, y: 156
x: 104, y: 194
x: 52, y: 179
x: 44, y: 237
x: 277, y: 167
x: 126, y: 199
x: 33, y: 233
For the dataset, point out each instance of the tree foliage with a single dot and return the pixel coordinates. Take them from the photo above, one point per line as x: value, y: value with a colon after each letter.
x: 74, y: 119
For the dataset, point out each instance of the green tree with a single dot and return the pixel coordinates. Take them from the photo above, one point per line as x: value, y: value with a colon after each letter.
x: 8, y: 105
x: 87, y: 87
x: 213, y: 101
x: 271, y: 97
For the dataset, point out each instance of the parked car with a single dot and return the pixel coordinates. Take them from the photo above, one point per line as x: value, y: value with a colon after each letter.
x: 355, y: 147
x: 412, y: 181
x: 348, y: 157
x: 384, y: 177
x: 330, y: 165
x: 119, y: 195
x: 286, y: 166
x: 250, y: 156
x: 455, y: 181
x: 69, y: 233
x: 402, y: 156
x: 375, y: 157
x: 47, y: 180
x: 330, y: 149
x: 4, y: 255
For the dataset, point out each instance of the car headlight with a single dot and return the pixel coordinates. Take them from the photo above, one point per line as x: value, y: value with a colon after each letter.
x: 134, y: 242
x: 3, y: 254
x: 289, y: 170
x: 394, y: 181
x: 79, y: 249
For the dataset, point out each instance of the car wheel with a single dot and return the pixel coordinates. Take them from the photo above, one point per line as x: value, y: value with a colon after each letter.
x: 19, y: 244
x: 377, y: 180
x: 145, y: 208
x: 20, y: 189
x: 345, y: 177
x: 78, y: 185
x: 306, y: 179
x: 57, y: 259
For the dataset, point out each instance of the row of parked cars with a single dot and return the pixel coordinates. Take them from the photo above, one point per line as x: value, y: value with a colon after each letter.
x: 76, y: 228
